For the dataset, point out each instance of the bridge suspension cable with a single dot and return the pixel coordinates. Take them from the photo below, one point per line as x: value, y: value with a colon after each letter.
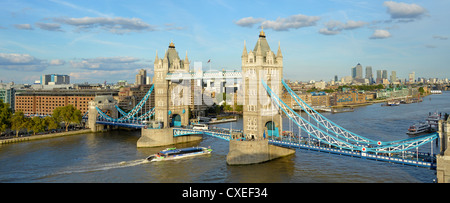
x: 325, y: 123
x: 376, y: 147
x: 131, y: 115
x: 306, y: 126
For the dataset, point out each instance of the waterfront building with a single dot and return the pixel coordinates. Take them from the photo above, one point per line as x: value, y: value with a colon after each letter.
x: 43, y: 102
x: 348, y: 97
x: 320, y: 99
x: 394, y: 93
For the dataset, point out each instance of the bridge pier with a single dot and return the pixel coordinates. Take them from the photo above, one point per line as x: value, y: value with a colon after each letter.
x: 253, y: 152
x: 443, y: 159
x: 163, y: 137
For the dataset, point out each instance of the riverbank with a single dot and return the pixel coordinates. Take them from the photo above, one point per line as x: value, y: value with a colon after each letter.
x: 45, y: 136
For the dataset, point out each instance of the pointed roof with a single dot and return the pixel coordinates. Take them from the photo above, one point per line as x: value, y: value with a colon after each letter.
x: 262, y: 44
x: 171, y: 55
x: 279, y: 50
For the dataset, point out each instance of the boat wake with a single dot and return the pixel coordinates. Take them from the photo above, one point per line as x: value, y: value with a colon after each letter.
x: 104, y: 167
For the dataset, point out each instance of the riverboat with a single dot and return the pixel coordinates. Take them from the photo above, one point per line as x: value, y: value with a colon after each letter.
x: 173, y: 153
x: 418, y: 128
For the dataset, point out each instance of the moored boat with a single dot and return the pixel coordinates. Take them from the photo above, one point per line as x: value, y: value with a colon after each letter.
x: 173, y: 153
x: 418, y: 128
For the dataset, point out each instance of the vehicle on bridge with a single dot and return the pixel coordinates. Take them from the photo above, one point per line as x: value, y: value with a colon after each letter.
x: 173, y: 153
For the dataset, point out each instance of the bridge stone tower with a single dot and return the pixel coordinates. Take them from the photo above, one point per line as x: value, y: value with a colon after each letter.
x: 443, y: 159
x: 106, y: 103
x: 171, y: 97
x: 260, y: 117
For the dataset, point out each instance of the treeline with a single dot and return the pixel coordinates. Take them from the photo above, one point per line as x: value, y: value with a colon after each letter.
x: 19, y: 122
x: 363, y: 87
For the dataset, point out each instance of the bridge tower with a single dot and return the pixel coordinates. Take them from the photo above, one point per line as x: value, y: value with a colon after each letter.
x: 172, y: 97
x: 443, y: 159
x: 106, y: 103
x: 260, y: 118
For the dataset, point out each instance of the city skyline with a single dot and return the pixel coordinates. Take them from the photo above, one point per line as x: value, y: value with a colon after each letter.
x: 103, y: 41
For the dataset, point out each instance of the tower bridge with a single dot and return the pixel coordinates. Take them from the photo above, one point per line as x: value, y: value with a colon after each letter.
x: 262, y: 137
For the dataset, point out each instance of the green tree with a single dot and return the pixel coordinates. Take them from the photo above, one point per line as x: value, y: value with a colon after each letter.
x: 67, y: 114
x: 18, y: 122
x: 37, y: 124
x: 51, y: 123
x: 5, y: 116
x: 421, y: 90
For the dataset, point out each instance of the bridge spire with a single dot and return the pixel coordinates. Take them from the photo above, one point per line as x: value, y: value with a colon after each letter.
x: 244, y: 52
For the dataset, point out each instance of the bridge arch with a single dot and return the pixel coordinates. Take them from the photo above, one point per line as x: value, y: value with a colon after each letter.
x: 271, y: 129
x: 176, y: 120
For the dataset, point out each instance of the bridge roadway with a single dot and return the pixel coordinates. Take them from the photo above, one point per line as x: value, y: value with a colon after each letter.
x: 418, y: 159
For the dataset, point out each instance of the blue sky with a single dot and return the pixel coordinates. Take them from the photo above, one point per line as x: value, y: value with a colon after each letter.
x: 107, y: 40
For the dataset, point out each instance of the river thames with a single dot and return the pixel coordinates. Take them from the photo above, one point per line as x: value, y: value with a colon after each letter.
x: 114, y: 157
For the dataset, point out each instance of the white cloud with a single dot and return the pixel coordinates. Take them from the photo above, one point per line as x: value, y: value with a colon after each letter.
x: 335, y: 27
x: 23, y: 26
x: 49, y: 26
x: 108, y: 63
x: 116, y: 25
x: 380, y: 34
x: 440, y: 37
x: 248, y: 21
x: 21, y: 62
x: 57, y: 62
x: 400, y: 10
x: 291, y: 22
x: 327, y: 31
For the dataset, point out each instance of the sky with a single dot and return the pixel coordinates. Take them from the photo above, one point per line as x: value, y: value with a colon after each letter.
x: 110, y: 40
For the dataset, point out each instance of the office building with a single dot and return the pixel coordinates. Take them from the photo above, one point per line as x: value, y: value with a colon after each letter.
x: 141, y: 77
x: 412, y: 77
x: 357, y: 72
x: 55, y: 79
x: 7, y: 94
x: 393, y: 76
x: 369, y: 74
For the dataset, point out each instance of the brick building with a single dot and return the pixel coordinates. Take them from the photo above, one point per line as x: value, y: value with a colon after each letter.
x: 43, y: 102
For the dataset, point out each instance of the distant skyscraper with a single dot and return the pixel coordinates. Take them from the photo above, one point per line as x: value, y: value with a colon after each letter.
x: 379, y: 78
x: 336, y: 78
x: 393, y: 76
x: 369, y: 74
x: 357, y: 72
x: 385, y: 74
x: 141, y: 77
x: 412, y: 77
